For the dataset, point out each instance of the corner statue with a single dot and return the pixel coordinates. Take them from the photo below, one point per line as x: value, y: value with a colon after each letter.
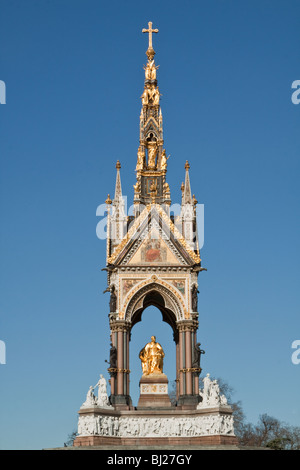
x: 152, y: 356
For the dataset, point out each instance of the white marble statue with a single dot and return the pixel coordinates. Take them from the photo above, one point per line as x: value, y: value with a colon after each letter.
x: 90, y: 399
x: 219, y: 422
x: 210, y: 394
x: 102, y: 399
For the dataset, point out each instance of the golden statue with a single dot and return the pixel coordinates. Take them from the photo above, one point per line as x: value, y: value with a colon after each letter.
x: 152, y: 356
x: 155, y: 96
x: 150, y: 70
x: 137, y: 187
x: 152, y: 151
x: 140, y: 159
x: 145, y: 97
x: 153, y: 191
x: 164, y: 159
x: 166, y: 188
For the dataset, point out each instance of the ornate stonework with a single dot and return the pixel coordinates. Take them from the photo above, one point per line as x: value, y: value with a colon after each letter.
x: 213, y: 418
x: 175, y: 426
x: 153, y: 258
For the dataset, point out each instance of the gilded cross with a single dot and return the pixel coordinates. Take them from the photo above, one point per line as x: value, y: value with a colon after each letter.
x: 150, y: 31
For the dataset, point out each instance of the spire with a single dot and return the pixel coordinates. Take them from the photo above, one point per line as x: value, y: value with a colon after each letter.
x: 187, y: 215
x: 151, y: 165
x: 187, y: 193
x: 118, y: 216
x: 118, y: 188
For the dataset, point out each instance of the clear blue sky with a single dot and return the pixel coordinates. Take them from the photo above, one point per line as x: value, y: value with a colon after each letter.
x: 74, y: 76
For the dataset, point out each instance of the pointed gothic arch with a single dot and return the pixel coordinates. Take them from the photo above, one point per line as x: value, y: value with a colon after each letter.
x: 162, y: 297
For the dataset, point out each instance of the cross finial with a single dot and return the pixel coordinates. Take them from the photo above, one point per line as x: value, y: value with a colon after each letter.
x: 150, y: 52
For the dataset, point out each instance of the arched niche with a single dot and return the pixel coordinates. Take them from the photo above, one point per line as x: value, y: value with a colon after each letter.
x: 159, y: 296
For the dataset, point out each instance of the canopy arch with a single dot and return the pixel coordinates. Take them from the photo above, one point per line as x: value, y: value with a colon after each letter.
x: 160, y: 296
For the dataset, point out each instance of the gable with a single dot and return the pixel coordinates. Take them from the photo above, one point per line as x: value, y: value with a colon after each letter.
x: 155, y: 251
x: 154, y: 240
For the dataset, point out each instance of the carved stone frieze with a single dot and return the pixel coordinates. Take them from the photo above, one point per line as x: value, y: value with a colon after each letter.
x: 189, y: 426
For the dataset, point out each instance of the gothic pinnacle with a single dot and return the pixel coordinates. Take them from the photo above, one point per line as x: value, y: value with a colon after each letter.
x: 187, y: 193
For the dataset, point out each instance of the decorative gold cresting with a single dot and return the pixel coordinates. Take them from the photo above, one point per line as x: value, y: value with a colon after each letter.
x: 150, y: 51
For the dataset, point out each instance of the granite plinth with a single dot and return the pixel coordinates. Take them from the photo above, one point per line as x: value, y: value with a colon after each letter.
x: 154, y: 392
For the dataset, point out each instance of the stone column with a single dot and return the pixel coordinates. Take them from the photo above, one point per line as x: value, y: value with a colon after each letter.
x: 120, y: 392
x: 181, y: 363
x: 113, y: 374
x: 196, y: 373
x: 188, y: 362
x: 120, y: 364
x: 188, y: 395
x: 177, y: 369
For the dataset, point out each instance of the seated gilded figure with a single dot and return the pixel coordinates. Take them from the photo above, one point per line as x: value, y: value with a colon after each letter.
x: 152, y: 356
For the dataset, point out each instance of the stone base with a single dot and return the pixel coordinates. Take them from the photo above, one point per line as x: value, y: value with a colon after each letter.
x: 154, y: 392
x: 188, y: 402
x: 87, y: 441
x: 121, y: 402
x: 155, y: 427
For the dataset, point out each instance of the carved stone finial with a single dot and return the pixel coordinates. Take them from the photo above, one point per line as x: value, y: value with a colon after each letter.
x: 108, y: 200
